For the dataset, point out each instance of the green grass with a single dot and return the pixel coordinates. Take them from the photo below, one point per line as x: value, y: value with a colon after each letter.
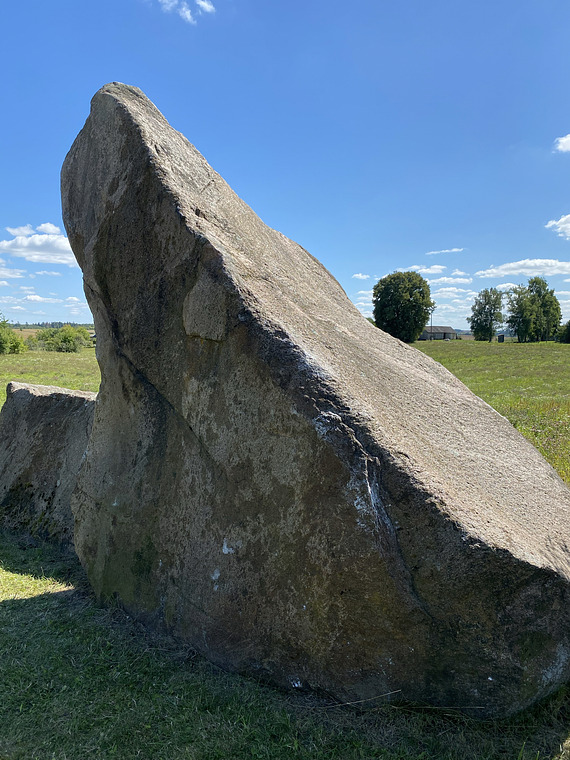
x: 79, y: 372
x: 528, y: 383
x: 78, y: 681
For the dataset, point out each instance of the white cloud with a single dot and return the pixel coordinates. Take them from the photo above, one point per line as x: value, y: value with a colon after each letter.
x: 562, y: 293
x: 206, y: 6
x: 185, y: 13
x: 48, y: 228
x: 451, y: 281
x: 505, y: 286
x: 458, y: 272
x: 562, y: 144
x: 448, y: 292
x: 528, y: 267
x: 445, y: 250
x: 560, y: 226
x: 49, y: 274
x: 16, y: 308
x: 73, y: 298
x: 11, y: 273
x: 435, y: 269
x: 180, y: 7
x: 40, y: 248
x: 25, y: 230
x: 27, y: 288
x: 3, y: 283
x: 369, y: 293
x: 360, y: 276
x: 42, y: 299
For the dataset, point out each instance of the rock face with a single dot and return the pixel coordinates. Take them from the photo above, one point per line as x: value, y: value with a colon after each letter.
x: 43, y: 437
x: 294, y: 492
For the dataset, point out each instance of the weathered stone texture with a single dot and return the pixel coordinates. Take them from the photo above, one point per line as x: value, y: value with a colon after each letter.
x: 294, y: 492
x: 43, y: 437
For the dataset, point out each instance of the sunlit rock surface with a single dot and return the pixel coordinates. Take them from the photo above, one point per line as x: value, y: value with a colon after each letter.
x: 43, y: 437
x: 295, y: 493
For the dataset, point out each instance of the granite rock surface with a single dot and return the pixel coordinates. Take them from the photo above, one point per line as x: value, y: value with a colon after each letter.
x: 43, y: 437
x: 294, y: 492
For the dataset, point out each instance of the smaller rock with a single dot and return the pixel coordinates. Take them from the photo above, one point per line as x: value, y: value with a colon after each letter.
x: 43, y: 436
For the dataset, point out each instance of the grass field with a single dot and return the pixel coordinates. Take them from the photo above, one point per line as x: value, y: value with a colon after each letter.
x: 79, y: 372
x: 78, y: 681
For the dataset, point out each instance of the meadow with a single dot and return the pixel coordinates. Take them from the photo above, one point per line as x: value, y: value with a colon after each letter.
x: 79, y: 372
x: 79, y: 681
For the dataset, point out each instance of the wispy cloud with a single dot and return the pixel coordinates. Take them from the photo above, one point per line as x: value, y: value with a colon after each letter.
x: 528, y: 267
x: 26, y: 229
x: 435, y: 269
x: 562, y: 144
x: 451, y: 281
x: 448, y: 292
x: 185, y: 13
x: 458, y: 272
x: 45, y: 245
x: 360, y: 276
x: 41, y: 299
x: 560, y: 226
x: 445, y: 250
x: 504, y: 286
x: 182, y: 9
x: 205, y: 6
x: 49, y: 274
x: 10, y: 273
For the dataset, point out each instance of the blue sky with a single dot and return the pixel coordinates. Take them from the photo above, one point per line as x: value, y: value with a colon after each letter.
x: 380, y: 135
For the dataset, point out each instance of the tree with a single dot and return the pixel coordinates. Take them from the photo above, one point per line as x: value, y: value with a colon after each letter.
x: 66, y: 339
x: 10, y: 342
x: 534, y: 311
x: 521, y: 316
x: 486, y: 314
x: 546, y: 308
x: 564, y: 333
x: 402, y: 305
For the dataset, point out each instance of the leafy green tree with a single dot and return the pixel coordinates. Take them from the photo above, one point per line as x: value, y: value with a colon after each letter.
x: 521, y: 314
x: 534, y: 311
x: 546, y: 308
x: 10, y: 342
x: 486, y: 314
x: 65, y: 339
x: 402, y: 305
x: 564, y: 333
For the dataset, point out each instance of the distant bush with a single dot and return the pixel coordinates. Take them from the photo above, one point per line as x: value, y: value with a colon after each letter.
x: 10, y: 342
x: 564, y: 333
x: 66, y: 339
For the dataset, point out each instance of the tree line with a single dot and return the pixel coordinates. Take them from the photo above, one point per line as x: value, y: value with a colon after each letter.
x: 533, y: 315
x: 66, y: 339
x: 403, y: 305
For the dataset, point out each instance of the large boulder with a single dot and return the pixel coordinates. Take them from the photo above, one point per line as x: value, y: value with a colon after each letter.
x: 289, y: 489
x: 43, y: 437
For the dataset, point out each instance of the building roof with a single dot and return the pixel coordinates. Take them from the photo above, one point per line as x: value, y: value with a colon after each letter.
x: 438, y: 329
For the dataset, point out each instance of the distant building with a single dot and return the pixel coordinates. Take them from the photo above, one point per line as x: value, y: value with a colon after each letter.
x: 436, y: 332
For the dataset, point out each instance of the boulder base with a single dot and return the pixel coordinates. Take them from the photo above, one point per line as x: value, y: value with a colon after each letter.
x: 289, y: 489
x: 43, y: 437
